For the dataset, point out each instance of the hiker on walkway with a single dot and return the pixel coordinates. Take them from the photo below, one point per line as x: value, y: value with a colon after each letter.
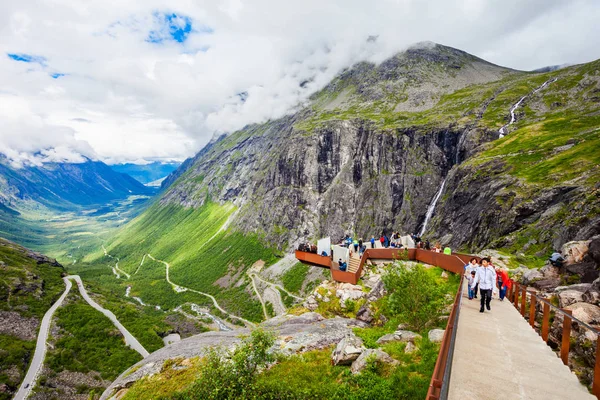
x: 486, y: 278
x: 471, y: 289
x: 372, y: 242
x: 427, y: 245
x: 355, y: 243
x: 504, y: 282
x: 438, y: 247
x: 447, y: 251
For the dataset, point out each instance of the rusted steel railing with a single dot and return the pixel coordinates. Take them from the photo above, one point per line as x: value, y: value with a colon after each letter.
x: 440, y: 380
x: 518, y: 295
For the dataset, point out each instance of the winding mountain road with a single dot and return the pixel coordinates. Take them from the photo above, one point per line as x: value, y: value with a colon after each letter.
x: 42, y: 345
x: 179, y: 288
x: 40, y: 348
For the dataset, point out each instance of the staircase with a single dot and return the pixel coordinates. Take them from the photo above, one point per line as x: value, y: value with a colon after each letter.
x: 353, y: 264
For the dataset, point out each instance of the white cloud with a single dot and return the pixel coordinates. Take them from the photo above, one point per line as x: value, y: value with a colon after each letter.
x: 125, y: 98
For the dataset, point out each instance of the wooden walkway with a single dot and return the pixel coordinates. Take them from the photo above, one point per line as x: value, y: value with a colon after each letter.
x: 497, y: 355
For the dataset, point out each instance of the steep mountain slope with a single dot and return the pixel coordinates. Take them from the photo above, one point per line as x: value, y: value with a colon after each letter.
x: 29, y: 285
x: 369, y: 153
x: 148, y: 172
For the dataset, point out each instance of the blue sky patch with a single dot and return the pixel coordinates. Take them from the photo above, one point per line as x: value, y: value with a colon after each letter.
x: 28, y: 58
x: 173, y: 27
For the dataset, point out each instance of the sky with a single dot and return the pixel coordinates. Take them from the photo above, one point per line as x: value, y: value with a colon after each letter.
x: 145, y: 80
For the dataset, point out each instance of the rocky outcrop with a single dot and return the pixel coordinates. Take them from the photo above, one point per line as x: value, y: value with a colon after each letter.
x: 295, y: 334
x: 347, y: 291
x: 399, y: 336
x: 347, y: 350
x: 371, y: 355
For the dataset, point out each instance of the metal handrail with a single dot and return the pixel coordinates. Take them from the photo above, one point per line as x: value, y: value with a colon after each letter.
x: 440, y: 379
x: 543, y: 300
x: 568, y: 318
x: 454, y: 328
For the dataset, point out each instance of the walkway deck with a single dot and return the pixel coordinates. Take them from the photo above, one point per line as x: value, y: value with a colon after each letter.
x: 498, y: 355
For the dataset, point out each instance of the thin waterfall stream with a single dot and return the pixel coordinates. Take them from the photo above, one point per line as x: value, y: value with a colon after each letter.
x: 513, y: 117
x: 431, y: 208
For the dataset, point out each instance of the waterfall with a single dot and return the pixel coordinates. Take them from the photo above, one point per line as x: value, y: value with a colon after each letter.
x: 431, y: 208
x: 513, y: 118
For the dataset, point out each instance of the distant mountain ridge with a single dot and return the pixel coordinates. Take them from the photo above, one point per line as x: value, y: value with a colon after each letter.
x: 146, y: 173
x: 64, y: 185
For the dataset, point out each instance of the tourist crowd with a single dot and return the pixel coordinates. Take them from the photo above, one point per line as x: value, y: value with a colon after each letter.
x: 483, y: 276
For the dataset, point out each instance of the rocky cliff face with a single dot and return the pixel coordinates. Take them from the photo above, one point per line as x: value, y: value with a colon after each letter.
x: 371, y: 150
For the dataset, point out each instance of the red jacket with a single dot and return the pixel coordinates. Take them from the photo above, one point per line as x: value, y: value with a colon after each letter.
x: 503, y: 276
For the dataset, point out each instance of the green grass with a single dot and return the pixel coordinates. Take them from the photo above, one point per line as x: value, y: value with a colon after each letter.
x: 29, y: 289
x: 88, y: 341
x: 14, y: 353
x: 294, y: 277
x: 199, y: 254
x: 311, y: 375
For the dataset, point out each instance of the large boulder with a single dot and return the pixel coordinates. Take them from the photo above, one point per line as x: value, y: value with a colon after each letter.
x: 399, y: 336
x: 364, y: 314
x: 525, y: 275
x: 580, y: 287
x: 377, y: 292
x: 371, y: 355
x: 347, y: 350
x: 568, y: 297
x: 436, y: 335
x: 585, y: 312
x: 574, y: 252
x: 347, y: 291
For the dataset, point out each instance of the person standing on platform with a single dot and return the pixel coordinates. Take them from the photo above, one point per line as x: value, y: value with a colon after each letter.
x: 486, y: 278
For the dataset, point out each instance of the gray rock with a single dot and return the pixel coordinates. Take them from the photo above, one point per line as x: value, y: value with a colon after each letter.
x: 370, y: 355
x: 588, y: 313
x: 347, y: 350
x: 592, y: 296
x: 377, y: 292
x: 436, y: 335
x: 295, y: 334
x: 399, y: 336
x: 364, y: 314
x: 410, y: 347
x: 568, y: 297
x: 347, y: 292
x: 311, y: 303
x: 580, y: 287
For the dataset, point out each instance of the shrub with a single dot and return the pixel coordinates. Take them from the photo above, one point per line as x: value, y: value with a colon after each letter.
x: 230, y: 375
x: 414, y: 295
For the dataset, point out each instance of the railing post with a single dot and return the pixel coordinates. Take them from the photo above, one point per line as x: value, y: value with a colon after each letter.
x: 515, y: 298
x: 546, y: 322
x: 596, y: 383
x: 532, y: 308
x: 523, y: 301
x: 566, y: 337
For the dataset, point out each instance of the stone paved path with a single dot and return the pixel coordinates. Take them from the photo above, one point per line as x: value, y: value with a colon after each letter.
x: 499, y: 356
